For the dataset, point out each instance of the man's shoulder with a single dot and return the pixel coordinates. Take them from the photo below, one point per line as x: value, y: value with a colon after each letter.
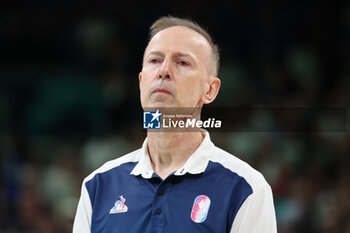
x: 253, y: 177
x: 127, y: 158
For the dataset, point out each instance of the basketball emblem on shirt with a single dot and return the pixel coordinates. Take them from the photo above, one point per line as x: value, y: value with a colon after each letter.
x: 119, y: 206
x: 200, y: 209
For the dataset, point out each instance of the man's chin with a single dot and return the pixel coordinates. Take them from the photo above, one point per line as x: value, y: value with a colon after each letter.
x: 160, y: 105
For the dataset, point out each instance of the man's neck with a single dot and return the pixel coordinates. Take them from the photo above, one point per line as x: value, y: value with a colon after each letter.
x: 170, y: 150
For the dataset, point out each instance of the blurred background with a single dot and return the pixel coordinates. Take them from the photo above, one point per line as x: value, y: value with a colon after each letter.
x: 69, y: 101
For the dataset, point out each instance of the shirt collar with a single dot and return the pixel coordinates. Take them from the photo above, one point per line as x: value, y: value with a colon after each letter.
x: 196, y: 163
x: 143, y: 167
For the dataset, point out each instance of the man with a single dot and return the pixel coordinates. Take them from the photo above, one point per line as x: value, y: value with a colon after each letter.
x: 178, y: 181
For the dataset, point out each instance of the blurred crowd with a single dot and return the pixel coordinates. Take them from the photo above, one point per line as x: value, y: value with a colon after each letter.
x: 69, y: 102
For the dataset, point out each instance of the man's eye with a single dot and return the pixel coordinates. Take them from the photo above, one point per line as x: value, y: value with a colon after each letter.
x: 183, y: 63
x: 153, y: 61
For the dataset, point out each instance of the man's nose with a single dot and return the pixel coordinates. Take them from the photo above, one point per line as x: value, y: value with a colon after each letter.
x: 164, y: 76
x: 165, y: 71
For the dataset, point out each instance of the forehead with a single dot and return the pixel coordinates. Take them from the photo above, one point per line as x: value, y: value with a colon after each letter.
x: 180, y: 39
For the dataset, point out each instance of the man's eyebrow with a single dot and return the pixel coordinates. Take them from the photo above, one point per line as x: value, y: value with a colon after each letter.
x: 176, y: 54
x: 159, y: 53
x: 180, y: 54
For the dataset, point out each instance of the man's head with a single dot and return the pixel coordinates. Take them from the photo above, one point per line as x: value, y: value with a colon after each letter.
x: 180, y: 65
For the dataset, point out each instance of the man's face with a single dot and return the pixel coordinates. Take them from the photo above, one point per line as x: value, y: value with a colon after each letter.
x: 175, y: 70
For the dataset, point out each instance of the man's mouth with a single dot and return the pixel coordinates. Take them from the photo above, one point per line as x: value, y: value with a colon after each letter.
x: 162, y: 91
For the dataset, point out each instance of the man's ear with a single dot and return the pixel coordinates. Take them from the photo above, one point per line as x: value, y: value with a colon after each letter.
x: 140, y: 78
x: 212, y: 90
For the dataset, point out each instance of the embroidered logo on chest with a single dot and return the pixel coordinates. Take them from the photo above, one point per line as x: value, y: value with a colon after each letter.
x: 200, y: 209
x: 119, y: 206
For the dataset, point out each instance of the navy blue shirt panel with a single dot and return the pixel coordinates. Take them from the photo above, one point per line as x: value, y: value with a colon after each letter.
x: 106, y: 188
x: 226, y: 190
x: 165, y: 206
